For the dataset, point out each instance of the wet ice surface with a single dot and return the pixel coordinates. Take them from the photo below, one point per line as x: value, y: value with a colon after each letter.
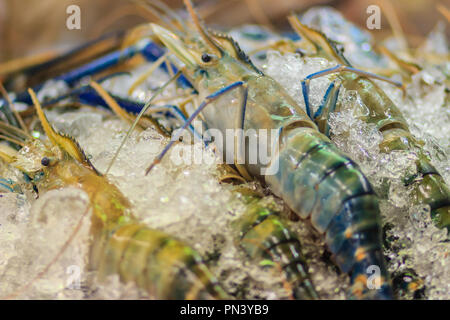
x: 415, y: 242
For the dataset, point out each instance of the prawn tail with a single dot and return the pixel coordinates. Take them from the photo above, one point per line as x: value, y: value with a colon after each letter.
x: 163, y: 266
x: 264, y: 236
x: 318, y: 182
x: 429, y: 188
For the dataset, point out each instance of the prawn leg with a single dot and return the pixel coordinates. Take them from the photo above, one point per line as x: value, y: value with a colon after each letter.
x: 329, y: 104
x: 337, y: 69
x: 202, y: 106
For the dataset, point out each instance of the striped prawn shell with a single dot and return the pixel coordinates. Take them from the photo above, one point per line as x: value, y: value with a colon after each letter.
x: 158, y: 263
x: 427, y: 185
x: 264, y: 236
x: 318, y: 182
x: 429, y: 188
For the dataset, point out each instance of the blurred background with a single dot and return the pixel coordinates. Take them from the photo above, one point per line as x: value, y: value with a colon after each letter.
x: 36, y: 26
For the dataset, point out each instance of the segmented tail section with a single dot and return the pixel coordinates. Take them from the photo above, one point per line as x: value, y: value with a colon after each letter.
x: 264, y: 236
x: 430, y: 189
x: 318, y: 182
x: 165, y: 267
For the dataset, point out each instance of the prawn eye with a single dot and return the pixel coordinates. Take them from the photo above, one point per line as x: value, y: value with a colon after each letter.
x: 206, y: 58
x: 45, y: 161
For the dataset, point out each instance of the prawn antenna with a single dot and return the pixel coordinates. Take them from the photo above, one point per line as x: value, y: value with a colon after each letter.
x: 144, y: 109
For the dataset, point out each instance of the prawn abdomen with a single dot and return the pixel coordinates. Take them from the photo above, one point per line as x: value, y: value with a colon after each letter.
x: 318, y: 182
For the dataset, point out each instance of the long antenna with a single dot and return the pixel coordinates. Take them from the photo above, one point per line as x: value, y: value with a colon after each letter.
x: 15, y: 141
x: 257, y: 11
x: 166, y: 9
x: 444, y: 11
x: 9, y: 130
x: 202, y: 106
x: 144, y: 109
x: 394, y: 22
x: 11, y: 105
x: 151, y: 9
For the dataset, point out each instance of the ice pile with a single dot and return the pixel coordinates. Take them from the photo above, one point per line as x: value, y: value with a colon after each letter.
x: 183, y: 199
x: 187, y: 200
